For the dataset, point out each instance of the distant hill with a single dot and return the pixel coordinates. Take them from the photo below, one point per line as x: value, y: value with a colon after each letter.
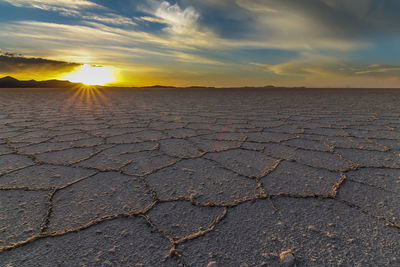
x: 10, y: 82
x: 158, y: 86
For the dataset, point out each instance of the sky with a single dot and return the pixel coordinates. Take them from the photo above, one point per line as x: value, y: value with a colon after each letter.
x: 314, y: 43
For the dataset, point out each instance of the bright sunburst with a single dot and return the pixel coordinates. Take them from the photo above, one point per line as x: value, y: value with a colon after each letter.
x: 91, y: 75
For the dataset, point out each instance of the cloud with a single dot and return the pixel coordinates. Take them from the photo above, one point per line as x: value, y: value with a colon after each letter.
x: 109, y: 18
x: 54, y: 5
x: 113, y: 45
x: 182, y: 25
x: 296, y: 25
x: 374, y: 70
x: 82, y: 9
x: 306, y: 68
x: 314, y: 39
x: 320, y: 70
x: 195, y: 59
x: 179, y: 21
x: 11, y: 64
x: 300, y: 25
x: 307, y: 64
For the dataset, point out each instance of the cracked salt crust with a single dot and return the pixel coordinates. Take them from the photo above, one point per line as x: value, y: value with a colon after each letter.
x: 224, y: 180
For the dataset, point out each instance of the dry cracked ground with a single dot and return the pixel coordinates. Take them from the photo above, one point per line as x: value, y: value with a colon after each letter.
x: 199, y: 177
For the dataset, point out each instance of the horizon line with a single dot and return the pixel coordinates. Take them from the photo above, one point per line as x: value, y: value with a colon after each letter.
x: 186, y: 87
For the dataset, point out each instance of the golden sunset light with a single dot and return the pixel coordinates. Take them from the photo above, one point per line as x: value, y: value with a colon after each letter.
x: 220, y: 43
x: 91, y: 75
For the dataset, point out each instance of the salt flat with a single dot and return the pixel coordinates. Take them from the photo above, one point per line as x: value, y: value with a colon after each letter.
x: 199, y: 177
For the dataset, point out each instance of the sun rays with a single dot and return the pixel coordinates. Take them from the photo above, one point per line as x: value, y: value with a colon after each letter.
x: 87, y: 98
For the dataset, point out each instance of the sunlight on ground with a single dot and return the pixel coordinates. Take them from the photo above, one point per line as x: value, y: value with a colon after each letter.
x: 87, y: 98
x: 91, y: 75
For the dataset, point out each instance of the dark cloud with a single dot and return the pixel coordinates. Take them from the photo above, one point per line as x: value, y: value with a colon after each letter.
x: 15, y: 63
x: 355, y: 19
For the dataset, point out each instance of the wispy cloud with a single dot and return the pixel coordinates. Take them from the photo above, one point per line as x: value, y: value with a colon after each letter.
x: 287, y: 25
x: 82, y: 9
x: 189, y: 58
x: 65, y: 40
x: 319, y: 70
x: 54, y: 4
x: 66, y: 7
x: 307, y: 67
x: 375, y: 70
x: 273, y: 24
x: 108, y: 18
x: 306, y: 64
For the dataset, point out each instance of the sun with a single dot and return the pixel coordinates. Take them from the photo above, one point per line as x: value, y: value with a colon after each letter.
x: 91, y: 75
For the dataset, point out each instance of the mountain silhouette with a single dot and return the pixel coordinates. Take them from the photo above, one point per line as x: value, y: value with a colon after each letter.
x: 10, y: 82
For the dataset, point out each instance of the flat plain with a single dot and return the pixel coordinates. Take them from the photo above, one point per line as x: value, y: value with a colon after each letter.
x: 199, y: 177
